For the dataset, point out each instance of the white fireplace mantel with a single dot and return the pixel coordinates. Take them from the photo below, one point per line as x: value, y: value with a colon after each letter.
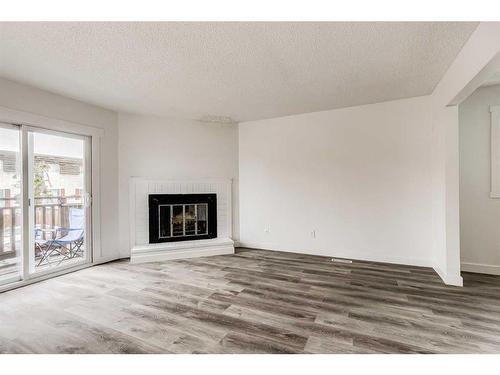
x: 142, y: 251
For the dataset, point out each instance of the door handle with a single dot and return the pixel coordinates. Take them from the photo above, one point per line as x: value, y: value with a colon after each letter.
x: 87, y: 200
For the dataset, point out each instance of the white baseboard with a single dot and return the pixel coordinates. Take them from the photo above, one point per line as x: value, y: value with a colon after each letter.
x: 346, y: 254
x: 454, y: 280
x: 124, y: 254
x: 489, y: 269
x: 181, y: 250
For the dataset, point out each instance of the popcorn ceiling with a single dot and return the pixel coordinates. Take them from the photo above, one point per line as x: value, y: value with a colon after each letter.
x: 240, y: 71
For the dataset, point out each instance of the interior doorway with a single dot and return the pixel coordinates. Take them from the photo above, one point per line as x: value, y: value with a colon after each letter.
x: 479, y: 152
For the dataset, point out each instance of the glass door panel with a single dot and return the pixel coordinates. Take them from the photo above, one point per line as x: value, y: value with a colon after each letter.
x: 177, y: 220
x: 10, y: 204
x: 201, y: 219
x: 165, y: 221
x: 58, y: 200
x: 190, y: 219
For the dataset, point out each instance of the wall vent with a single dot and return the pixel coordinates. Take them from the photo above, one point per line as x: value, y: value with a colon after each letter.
x: 340, y: 260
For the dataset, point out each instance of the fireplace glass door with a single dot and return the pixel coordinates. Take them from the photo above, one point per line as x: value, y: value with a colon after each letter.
x: 190, y: 219
x: 182, y: 217
x: 164, y: 216
x: 180, y: 220
x: 177, y: 220
x: 202, y: 219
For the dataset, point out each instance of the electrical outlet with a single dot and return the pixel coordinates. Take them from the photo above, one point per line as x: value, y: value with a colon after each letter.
x: 313, y: 234
x: 267, y: 229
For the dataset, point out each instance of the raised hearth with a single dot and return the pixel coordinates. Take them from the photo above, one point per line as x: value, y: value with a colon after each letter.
x: 192, y: 218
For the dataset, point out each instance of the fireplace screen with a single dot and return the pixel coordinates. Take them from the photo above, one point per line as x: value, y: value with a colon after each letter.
x: 182, y: 220
x: 178, y: 217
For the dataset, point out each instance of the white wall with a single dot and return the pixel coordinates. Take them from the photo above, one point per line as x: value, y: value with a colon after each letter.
x: 161, y: 147
x: 479, y: 214
x: 481, y: 48
x: 463, y: 76
x: 360, y: 177
x: 29, y: 99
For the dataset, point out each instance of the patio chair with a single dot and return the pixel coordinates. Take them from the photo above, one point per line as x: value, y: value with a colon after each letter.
x: 40, y: 243
x: 68, y: 242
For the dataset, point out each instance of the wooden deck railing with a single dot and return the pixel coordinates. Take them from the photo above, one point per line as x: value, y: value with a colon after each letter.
x: 50, y: 212
x: 10, y: 215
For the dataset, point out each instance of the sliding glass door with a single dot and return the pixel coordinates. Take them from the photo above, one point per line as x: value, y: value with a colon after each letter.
x: 10, y: 204
x: 45, y: 184
x: 59, y: 200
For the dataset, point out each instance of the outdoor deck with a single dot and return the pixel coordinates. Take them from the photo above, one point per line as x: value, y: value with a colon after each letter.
x: 51, y: 212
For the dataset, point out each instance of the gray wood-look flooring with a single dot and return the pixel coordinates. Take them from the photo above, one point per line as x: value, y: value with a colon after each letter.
x: 252, y: 302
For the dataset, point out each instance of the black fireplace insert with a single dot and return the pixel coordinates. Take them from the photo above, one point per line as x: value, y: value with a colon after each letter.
x: 182, y: 217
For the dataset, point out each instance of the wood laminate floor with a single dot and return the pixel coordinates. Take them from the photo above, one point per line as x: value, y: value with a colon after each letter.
x: 252, y: 302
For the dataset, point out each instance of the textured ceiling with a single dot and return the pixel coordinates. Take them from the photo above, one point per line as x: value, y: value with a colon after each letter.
x: 234, y: 71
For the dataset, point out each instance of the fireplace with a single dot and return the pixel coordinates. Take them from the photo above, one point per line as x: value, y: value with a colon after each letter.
x: 182, y: 217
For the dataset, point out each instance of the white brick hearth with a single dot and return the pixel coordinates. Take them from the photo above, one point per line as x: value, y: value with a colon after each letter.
x: 142, y: 251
